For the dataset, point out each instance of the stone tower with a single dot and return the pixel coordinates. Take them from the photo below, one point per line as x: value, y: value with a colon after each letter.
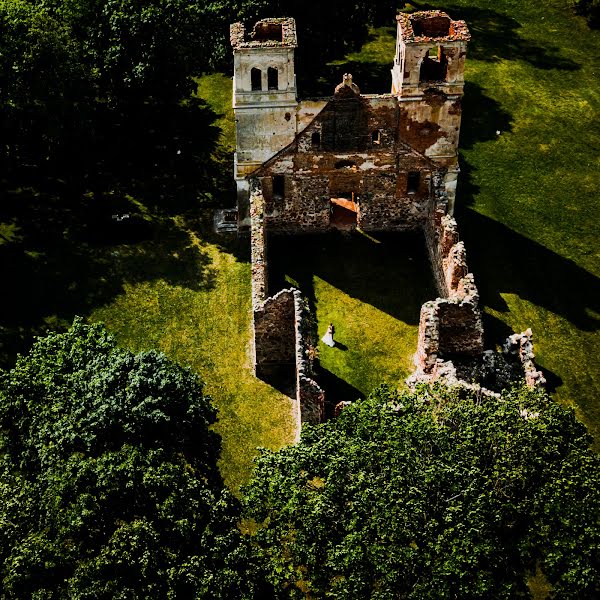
x: 428, y: 79
x: 264, y: 96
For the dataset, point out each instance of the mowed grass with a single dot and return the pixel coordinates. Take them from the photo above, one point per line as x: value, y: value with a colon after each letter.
x: 207, y: 327
x: 371, y: 288
x: 527, y: 203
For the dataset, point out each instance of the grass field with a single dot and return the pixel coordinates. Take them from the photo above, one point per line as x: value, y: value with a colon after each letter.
x: 206, y: 324
x: 371, y: 288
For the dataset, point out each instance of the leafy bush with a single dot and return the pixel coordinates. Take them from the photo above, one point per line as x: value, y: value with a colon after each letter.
x: 109, y: 481
x: 433, y: 494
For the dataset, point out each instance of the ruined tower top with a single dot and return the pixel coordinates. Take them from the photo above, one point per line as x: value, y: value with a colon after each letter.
x: 430, y: 53
x: 267, y: 33
x: 431, y: 25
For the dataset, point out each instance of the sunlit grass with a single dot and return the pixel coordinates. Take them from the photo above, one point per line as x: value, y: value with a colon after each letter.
x: 216, y: 90
x: 371, y: 346
x: 371, y: 288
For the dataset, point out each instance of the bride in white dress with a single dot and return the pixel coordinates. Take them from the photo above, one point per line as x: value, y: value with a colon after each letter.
x: 328, y: 337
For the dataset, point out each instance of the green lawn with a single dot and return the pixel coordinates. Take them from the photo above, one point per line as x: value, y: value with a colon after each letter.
x: 371, y: 288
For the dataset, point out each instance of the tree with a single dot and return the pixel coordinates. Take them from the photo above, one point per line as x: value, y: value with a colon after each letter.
x: 43, y: 81
x: 109, y: 486
x: 145, y: 51
x: 433, y: 494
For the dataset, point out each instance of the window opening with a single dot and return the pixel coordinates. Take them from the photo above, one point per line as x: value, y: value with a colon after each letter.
x: 272, y: 78
x: 256, y: 79
x: 412, y: 182
x: 279, y: 186
x: 434, y: 66
x: 315, y: 139
x: 345, y: 164
x: 376, y: 137
x: 268, y: 32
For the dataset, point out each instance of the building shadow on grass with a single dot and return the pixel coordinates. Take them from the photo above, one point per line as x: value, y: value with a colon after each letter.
x: 336, y: 390
x: 389, y: 271
x: 512, y: 263
x: 483, y: 119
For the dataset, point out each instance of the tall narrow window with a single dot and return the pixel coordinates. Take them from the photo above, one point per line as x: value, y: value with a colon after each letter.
x: 279, y: 185
x: 412, y: 182
x: 273, y: 78
x: 315, y: 139
x: 256, y: 79
x: 376, y: 137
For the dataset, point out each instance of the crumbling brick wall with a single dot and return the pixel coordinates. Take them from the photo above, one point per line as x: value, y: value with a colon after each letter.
x: 450, y: 325
x: 258, y: 245
x: 521, y: 346
x: 309, y: 394
x: 282, y: 325
x: 274, y: 332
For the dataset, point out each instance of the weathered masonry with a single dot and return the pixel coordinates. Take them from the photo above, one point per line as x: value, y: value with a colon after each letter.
x: 385, y: 162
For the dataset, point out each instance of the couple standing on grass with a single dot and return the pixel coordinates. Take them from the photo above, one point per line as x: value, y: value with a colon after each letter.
x: 328, y: 337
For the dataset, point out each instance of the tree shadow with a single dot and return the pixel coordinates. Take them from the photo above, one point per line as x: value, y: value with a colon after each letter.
x: 495, y: 37
x: 69, y: 258
x: 390, y: 271
x: 101, y: 205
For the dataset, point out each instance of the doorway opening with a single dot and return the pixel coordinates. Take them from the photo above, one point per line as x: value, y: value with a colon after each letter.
x: 344, y: 211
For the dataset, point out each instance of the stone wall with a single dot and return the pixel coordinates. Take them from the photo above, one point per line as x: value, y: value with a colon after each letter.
x: 258, y: 244
x: 451, y: 325
x: 520, y: 345
x: 283, y: 326
x: 274, y: 333
x: 309, y: 394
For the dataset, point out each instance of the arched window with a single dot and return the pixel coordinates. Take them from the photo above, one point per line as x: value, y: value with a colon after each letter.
x: 256, y: 79
x: 376, y: 137
x: 273, y: 78
x: 315, y: 139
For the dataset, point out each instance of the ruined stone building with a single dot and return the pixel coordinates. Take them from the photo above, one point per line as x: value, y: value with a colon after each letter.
x: 378, y: 162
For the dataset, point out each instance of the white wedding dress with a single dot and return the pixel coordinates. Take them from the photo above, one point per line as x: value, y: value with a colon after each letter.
x: 328, y: 339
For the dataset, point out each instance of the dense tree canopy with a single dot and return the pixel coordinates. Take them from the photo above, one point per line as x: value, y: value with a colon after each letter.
x: 109, y: 483
x: 434, y: 494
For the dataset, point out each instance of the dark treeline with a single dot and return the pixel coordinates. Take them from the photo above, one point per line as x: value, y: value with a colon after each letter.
x: 97, y: 95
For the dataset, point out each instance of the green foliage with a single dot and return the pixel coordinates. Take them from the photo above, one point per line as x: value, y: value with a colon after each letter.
x: 144, y: 50
x: 39, y: 60
x: 110, y: 487
x: 432, y: 494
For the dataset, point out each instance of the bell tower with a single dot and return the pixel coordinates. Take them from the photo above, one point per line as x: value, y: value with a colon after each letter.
x: 428, y: 79
x: 264, y: 96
